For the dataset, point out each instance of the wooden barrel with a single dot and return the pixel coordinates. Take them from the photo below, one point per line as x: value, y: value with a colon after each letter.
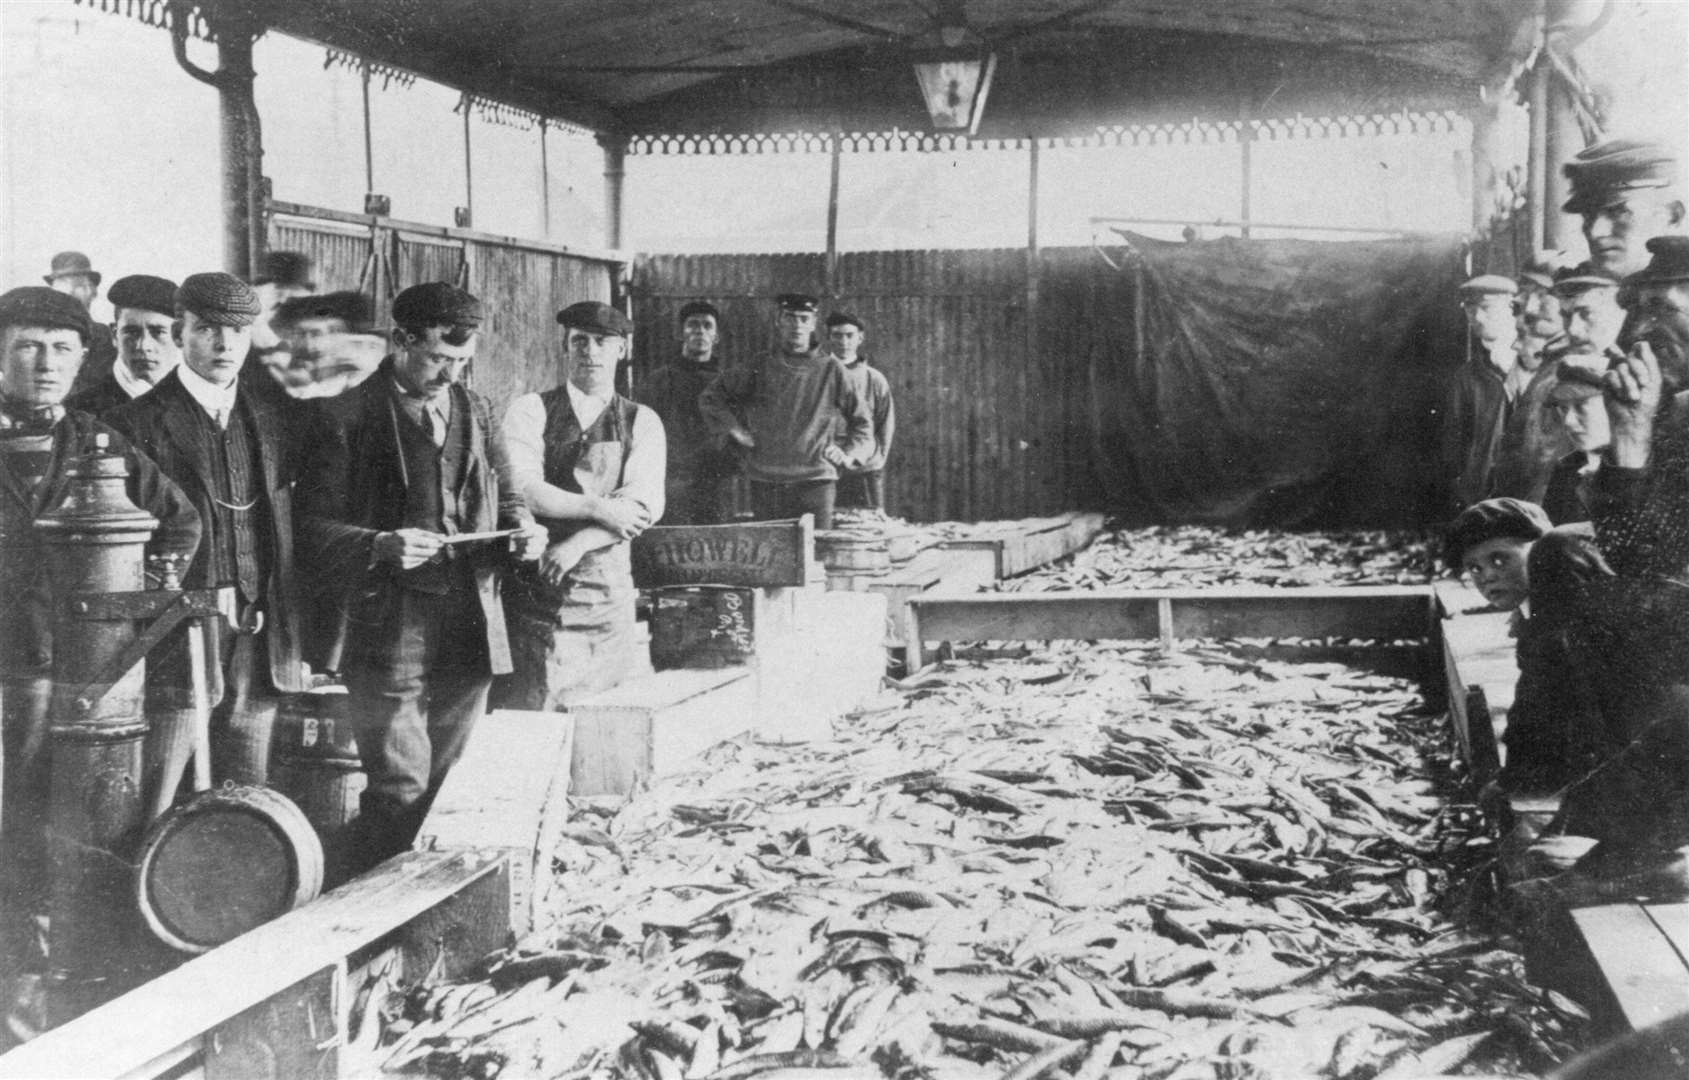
x: 224, y: 862
x: 854, y: 553
x: 316, y: 758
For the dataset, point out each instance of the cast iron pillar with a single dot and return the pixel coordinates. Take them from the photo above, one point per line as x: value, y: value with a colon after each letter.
x: 96, y: 542
x: 233, y: 27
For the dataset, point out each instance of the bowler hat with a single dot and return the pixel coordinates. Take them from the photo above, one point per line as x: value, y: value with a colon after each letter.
x: 1493, y: 519
x: 143, y: 292
x: 791, y: 301
x: 289, y: 268
x: 218, y: 298
x: 71, y: 264
x: 595, y: 318
x: 1614, y: 167
x: 37, y: 305
x: 1670, y: 261
x: 435, y: 303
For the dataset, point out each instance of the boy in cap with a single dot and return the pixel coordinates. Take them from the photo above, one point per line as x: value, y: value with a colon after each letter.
x: 787, y: 409
x: 390, y: 471
x: 590, y: 464
x: 43, y: 339
x: 230, y: 450
x: 143, y: 324
x: 863, y: 484
x: 701, y: 460
x: 331, y: 340
x: 1625, y: 191
x: 1480, y: 394
x: 1579, y: 409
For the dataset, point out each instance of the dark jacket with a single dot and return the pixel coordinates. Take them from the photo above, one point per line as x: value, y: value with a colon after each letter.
x: 160, y: 423
x: 99, y: 399
x: 352, y: 485
x: 26, y: 614
x: 1478, y: 411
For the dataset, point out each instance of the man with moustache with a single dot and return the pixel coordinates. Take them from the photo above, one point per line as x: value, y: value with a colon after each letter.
x: 795, y: 413
x: 391, y: 472
x: 590, y: 464
x: 43, y: 340
x: 144, y: 317
x: 230, y: 451
x: 701, y: 461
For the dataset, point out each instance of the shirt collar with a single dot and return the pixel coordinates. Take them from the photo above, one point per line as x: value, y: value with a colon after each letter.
x: 211, y: 397
x: 587, y: 407
x: 127, y: 380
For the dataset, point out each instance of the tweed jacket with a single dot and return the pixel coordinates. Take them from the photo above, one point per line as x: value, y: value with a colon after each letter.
x: 353, y: 485
x: 160, y: 423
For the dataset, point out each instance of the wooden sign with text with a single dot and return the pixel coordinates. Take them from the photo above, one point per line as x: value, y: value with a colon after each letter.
x: 767, y: 554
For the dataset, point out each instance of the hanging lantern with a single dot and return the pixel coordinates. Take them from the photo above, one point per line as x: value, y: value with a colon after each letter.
x: 954, y: 85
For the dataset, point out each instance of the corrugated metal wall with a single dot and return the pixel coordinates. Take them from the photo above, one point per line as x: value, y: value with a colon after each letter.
x: 521, y: 287
x: 984, y: 412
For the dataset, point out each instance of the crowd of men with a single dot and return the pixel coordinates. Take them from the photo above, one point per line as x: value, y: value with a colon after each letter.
x: 363, y: 514
x: 1568, y: 452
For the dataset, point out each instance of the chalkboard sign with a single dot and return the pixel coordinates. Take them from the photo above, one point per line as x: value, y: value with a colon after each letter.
x: 705, y: 626
x: 767, y: 554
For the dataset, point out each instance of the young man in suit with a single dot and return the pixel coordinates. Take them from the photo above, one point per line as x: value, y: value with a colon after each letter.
x: 390, y: 472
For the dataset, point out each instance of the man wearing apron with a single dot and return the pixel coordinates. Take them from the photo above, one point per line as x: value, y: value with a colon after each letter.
x: 590, y: 464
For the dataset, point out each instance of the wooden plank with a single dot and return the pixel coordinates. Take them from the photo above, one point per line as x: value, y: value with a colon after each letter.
x: 297, y: 1035
x: 1638, y: 966
x: 508, y: 795
x: 155, y: 1022
x: 1379, y: 612
x: 763, y: 553
x: 648, y: 726
x: 1481, y: 669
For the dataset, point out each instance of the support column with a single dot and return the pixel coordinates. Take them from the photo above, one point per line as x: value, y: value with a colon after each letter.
x: 615, y: 177
x: 545, y: 183
x: 832, y: 269
x: 238, y: 127
x: 1561, y: 231
x: 1536, y: 174
x: 1484, y: 180
x: 466, y: 220
x: 1246, y: 152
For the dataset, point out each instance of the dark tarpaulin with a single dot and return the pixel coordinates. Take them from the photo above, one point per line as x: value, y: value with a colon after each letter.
x: 1273, y: 383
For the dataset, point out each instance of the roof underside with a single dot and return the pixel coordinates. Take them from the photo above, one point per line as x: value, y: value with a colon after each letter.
x: 749, y: 66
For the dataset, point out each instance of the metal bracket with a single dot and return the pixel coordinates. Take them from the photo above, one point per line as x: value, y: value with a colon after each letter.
x: 165, y: 607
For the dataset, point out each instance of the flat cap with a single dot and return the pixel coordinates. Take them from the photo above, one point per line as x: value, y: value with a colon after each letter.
x: 699, y: 307
x: 291, y: 268
x: 794, y: 301
x: 1670, y: 262
x: 71, y: 264
x: 37, y: 305
x: 1578, y: 376
x: 1493, y: 519
x: 218, y: 298
x: 352, y: 308
x: 843, y: 318
x: 596, y: 318
x: 1616, y: 166
x: 145, y: 292
x: 1584, y: 276
x: 1487, y: 285
x: 435, y: 303
x: 1541, y: 267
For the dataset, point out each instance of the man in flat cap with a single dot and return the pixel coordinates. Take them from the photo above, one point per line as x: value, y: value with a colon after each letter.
x: 331, y: 340
x: 787, y: 409
x: 73, y: 274
x: 1626, y: 612
x: 1626, y: 192
x: 590, y: 464
x: 701, y: 460
x: 863, y: 484
x: 391, y: 472
x: 1480, y: 393
x: 230, y: 450
x: 43, y: 338
x: 144, y: 318
x: 1534, y: 440
x: 1578, y: 408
